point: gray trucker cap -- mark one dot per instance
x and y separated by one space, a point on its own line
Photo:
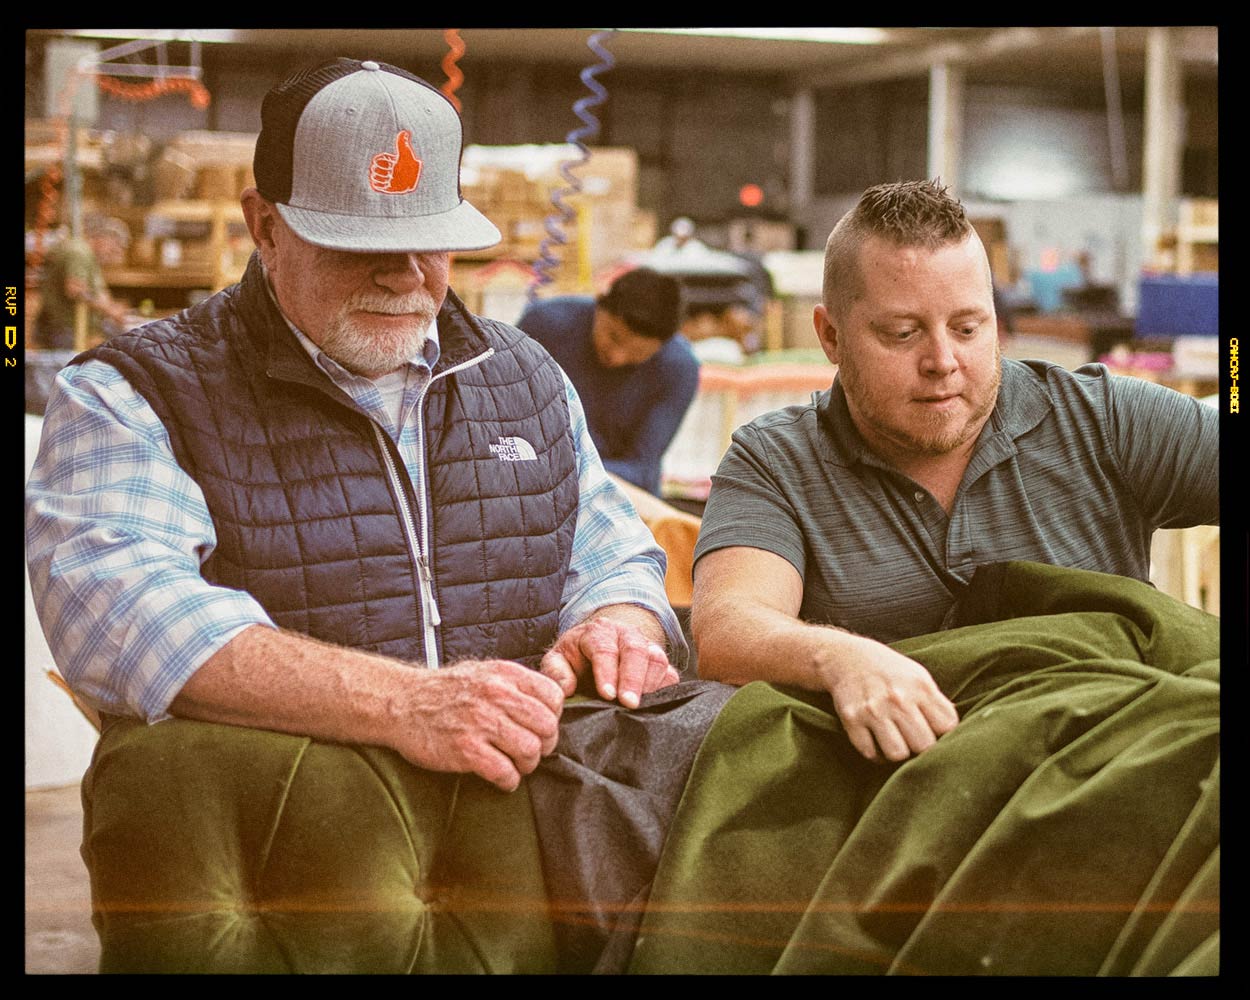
366 156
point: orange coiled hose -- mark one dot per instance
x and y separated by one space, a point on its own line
49 185
454 76
45 211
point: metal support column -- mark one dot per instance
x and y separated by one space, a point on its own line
1164 139
802 156
946 122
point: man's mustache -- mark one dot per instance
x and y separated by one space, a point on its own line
421 302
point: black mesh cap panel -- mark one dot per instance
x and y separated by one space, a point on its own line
280 114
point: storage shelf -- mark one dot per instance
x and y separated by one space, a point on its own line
214 265
1198 236
170 278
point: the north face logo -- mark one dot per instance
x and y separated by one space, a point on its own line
513 449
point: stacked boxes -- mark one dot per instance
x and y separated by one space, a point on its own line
1198 236
222 162
993 234
189 230
514 187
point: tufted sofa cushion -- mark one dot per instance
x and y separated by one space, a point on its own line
222 849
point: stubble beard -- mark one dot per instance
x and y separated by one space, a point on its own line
928 435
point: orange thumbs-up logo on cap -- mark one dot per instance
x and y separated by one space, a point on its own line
397 172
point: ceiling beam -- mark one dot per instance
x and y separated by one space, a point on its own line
918 62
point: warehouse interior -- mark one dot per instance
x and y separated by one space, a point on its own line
1087 158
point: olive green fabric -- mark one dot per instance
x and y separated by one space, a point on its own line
1068 825
223 849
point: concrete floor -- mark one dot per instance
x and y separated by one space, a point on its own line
59 935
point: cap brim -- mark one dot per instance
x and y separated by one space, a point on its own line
463 228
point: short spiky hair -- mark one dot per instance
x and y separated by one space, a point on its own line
905 213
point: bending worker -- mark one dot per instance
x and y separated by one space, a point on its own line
836 527
636 375
72 276
330 501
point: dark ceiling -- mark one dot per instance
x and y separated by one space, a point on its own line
990 55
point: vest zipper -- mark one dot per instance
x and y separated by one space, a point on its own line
418 531
429 607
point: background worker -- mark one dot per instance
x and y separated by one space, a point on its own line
635 374
72 275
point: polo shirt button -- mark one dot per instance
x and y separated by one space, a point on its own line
919 494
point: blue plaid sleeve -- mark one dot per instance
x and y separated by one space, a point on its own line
115 535
615 557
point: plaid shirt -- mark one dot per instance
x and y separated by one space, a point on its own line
116 533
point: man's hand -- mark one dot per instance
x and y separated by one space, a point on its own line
625 661
887 702
747 627
494 718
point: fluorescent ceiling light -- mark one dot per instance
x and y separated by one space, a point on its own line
156 34
845 36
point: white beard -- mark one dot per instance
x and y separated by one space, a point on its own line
370 352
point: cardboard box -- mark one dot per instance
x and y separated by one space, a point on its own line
217 183
797 330
644 231
760 236
228 149
1200 212
173 175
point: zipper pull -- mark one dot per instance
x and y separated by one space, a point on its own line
427 581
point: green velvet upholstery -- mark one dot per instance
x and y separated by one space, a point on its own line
1069 825
222 849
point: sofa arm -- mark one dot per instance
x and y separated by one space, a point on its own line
217 848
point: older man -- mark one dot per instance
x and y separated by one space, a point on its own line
836 527
329 500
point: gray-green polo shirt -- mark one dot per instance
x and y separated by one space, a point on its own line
1072 469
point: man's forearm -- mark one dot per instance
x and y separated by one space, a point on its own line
271 679
738 642
494 718
889 705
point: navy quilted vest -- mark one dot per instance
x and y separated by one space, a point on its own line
311 503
